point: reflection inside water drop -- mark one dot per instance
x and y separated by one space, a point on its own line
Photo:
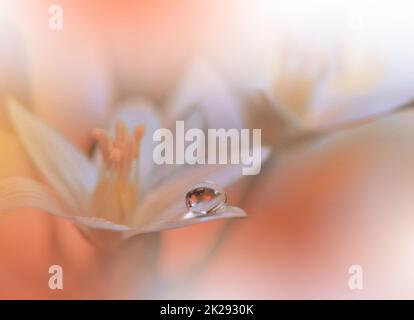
205 198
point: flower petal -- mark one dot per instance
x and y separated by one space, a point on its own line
182 218
193 119
171 193
18 192
172 218
134 113
301 74
202 86
351 109
277 124
67 170
98 223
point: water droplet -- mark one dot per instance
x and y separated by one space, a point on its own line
205 198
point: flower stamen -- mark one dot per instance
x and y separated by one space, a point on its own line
116 194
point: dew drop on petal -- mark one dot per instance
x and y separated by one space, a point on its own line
205 198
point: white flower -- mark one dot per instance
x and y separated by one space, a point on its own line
312 89
123 192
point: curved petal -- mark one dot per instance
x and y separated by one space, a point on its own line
277 124
171 193
202 86
189 175
301 74
99 223
134 113
67 170
18 192
352 109
181 218
193 119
